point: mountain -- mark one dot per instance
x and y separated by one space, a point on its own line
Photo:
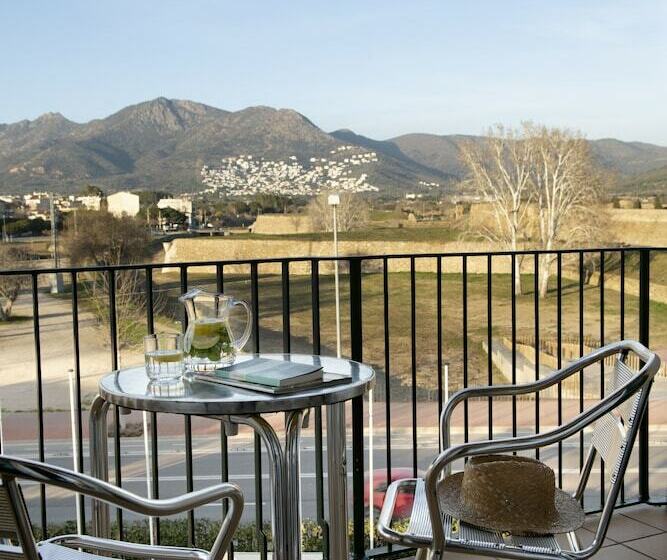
441 153
438 152
648 183
162 144
396 167
628 158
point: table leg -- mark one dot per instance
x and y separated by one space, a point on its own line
99 462
337 478
293 423
281 513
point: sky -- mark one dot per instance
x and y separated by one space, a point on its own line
381 68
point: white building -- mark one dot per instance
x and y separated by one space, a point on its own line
90 202
123 202
183 205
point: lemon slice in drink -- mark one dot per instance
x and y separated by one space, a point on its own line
208 327
167 356
204 342
207 334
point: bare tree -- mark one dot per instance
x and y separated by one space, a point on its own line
106 240
352 212
566 191
11 286
499 170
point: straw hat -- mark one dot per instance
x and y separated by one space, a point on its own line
509 493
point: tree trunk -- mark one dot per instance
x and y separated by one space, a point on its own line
6 310
517 277
545 273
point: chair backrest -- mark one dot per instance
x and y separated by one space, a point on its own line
614 433
611 433
18 542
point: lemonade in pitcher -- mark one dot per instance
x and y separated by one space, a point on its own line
209 341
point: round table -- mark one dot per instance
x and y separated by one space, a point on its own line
130 388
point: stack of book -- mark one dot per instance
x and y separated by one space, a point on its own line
276 377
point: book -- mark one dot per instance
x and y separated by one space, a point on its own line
270 373
328 380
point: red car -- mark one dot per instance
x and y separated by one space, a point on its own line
403 506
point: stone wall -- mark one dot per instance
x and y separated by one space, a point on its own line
647 227
230 249
281 224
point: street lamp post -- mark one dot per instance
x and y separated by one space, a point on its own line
57 281
334 201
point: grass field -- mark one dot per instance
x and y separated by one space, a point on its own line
599 322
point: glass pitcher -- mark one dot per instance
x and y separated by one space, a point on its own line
209 341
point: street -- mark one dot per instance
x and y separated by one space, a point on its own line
206 468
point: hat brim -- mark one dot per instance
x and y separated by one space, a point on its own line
569 514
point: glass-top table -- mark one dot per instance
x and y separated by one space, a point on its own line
130 388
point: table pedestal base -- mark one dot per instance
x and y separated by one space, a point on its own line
284 464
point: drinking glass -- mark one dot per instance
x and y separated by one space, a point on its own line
164 357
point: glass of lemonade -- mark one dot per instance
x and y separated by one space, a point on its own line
164 357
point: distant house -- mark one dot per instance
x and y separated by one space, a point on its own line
123 202
183 205
91 202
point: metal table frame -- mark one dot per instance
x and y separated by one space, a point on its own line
236 407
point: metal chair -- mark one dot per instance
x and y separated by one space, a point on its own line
15 523
616 420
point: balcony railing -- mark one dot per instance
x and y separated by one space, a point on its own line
429 323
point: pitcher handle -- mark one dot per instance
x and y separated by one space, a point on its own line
241 342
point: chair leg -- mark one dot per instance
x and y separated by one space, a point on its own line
422 554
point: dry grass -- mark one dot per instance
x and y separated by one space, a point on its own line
425 316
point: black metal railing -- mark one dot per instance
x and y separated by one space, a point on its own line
421 320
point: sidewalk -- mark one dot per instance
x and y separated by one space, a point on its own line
23 426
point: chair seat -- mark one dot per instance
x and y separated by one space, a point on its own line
51 551
458 535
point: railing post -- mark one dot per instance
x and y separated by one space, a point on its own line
644 325
356 341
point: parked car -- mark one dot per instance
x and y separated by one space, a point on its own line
403 505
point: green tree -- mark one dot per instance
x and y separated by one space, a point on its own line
12 286
24 225
150 198
92 190
171 216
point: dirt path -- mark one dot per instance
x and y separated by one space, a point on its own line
18 370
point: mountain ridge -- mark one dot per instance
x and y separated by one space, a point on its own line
162 144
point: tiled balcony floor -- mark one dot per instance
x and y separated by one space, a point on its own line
636 533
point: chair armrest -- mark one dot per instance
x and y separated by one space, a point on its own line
15 467
84 484
557 376
123 548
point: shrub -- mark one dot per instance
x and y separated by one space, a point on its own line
174 532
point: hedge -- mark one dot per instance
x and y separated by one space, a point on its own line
174 532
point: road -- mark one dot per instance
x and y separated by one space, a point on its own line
206 467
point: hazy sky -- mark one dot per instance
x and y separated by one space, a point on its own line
382 68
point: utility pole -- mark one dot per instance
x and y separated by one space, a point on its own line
57 279
5 237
